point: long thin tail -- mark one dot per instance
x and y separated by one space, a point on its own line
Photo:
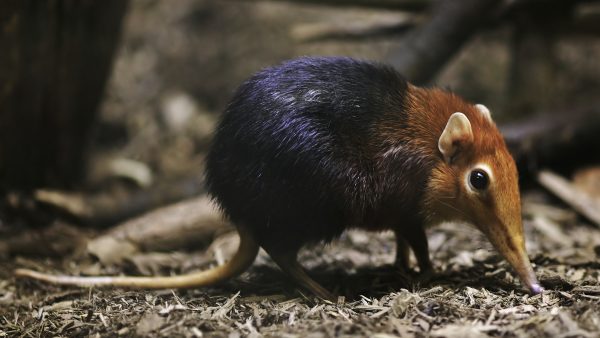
243 258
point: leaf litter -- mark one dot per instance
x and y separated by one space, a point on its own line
473 294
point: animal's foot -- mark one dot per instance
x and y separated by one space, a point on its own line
425 276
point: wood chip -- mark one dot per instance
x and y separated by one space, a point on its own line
149 323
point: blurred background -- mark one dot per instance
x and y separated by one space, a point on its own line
178 65
143 82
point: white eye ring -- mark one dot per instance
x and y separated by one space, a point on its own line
481 167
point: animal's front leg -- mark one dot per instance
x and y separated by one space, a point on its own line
417 239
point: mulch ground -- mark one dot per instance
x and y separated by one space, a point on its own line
473 294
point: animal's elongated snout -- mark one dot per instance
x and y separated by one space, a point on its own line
510 243
520 262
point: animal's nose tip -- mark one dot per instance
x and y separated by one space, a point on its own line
536 288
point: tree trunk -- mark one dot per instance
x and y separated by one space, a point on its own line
56 57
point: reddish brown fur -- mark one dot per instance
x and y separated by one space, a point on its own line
497 213
429 111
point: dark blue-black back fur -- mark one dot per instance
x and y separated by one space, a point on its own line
294 156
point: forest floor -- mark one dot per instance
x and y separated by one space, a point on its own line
175 70
473 294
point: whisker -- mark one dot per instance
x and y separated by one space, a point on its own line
452 207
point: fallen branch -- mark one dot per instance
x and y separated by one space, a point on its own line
412 5
404 5
154 263
192 223
108 208
356 30
568 193
584 24
426 49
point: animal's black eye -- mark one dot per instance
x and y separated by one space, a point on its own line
479 179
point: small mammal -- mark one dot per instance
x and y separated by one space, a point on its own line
318 145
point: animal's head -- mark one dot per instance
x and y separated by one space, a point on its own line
476 181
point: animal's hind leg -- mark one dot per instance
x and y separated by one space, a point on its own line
288 262
402 253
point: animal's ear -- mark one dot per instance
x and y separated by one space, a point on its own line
484 111
455 136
